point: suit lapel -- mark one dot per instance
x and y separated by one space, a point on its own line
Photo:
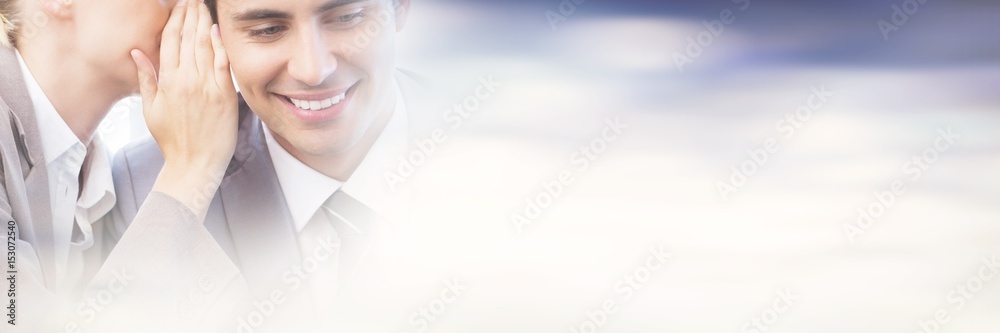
36 229
255 208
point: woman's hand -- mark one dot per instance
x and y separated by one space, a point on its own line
191 107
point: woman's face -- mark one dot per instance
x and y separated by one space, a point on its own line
107 30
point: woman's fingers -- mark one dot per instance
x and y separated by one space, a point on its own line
147 79
204 48
171 41
193 114
223 75
189 35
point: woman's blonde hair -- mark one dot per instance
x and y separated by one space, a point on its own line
7 20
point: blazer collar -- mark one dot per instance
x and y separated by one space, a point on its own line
15 93
258 218
35 229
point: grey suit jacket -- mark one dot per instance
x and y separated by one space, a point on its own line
248 216
24 191
146 270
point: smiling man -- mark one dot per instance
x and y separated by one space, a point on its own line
320 74
303 210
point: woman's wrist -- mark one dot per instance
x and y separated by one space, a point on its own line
192 185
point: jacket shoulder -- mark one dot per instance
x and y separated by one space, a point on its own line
134 171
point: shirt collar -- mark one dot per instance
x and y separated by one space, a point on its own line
57 137
368 184
306 189
98 196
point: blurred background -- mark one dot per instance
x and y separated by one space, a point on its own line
809 166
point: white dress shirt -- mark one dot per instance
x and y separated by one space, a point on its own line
73 210
306 189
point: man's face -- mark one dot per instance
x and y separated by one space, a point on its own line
317 72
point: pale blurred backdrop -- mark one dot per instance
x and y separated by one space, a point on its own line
792 226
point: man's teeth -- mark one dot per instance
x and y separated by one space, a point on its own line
318 105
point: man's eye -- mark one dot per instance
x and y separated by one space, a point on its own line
350 17
268 32
346 21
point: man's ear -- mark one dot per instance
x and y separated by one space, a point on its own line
402 13
62 9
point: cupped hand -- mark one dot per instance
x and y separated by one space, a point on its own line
191 107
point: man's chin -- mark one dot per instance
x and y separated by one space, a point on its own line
321 147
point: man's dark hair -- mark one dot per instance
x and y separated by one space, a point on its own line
211 8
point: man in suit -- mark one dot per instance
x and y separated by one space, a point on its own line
71 264
304 209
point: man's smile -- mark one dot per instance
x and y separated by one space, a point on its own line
318 106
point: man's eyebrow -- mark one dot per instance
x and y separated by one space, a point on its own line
260 14
265 14
334 4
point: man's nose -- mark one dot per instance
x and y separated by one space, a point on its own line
312 61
